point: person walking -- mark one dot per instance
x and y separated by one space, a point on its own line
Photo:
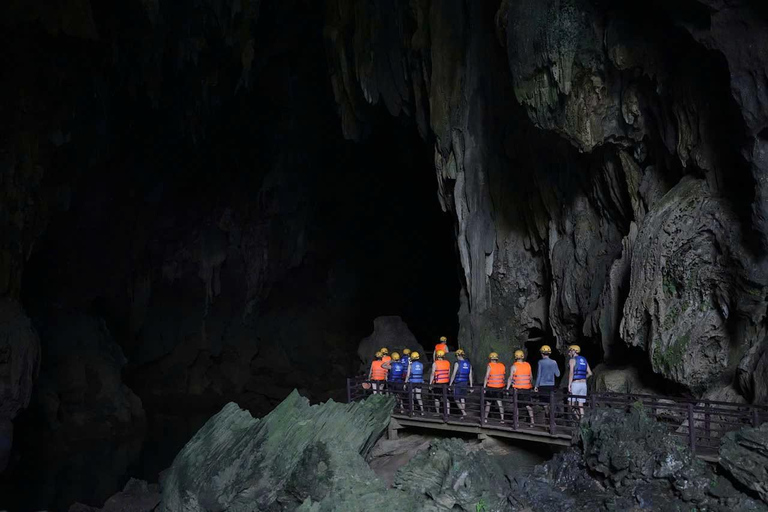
520 378
494 384
577 379
460 380
545 375
415 375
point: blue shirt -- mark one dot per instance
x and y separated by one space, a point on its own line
547 372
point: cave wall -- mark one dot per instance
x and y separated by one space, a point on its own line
604 165
186 222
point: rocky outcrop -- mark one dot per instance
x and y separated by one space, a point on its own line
390 332
81 392
296 454
686 285
744 455
628 462
619 380
311 458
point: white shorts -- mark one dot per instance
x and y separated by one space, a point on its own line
578 388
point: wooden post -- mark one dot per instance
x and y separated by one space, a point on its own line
707 426
482 406
515 412
445 403
552 412
691 428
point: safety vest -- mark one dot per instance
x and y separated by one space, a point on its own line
521 379
386 359
406 361
417 372
463 374
442 371
377 372
396 372
496 376
441 346
580 368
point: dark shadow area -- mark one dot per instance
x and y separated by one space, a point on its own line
216 240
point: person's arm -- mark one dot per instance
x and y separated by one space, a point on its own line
487 374
511 373
386 365
370 373
453 373
589 371
471 378
557 369
432 375
571 366
408 374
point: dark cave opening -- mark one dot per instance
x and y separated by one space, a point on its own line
315 237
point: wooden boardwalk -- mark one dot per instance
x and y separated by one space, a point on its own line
699 423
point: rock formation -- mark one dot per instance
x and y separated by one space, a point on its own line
744 454
312 458
81 393
597 185
19 366
297 453
390 332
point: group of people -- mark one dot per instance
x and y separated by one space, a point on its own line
391 372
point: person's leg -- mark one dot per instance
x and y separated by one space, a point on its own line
581 391
417 391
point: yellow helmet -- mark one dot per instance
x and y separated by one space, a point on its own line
575 348
415 356
443 339
545 349
493 356
406 351
519 354
460 352
384 350
379 354
395 356
440 353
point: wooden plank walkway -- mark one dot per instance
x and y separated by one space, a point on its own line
549 417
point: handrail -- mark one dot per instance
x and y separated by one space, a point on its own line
701 422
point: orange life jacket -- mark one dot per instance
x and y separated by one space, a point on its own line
496 376
377 372
521 379
441 346
442 371
386 359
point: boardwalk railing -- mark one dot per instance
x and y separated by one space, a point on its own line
701 423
